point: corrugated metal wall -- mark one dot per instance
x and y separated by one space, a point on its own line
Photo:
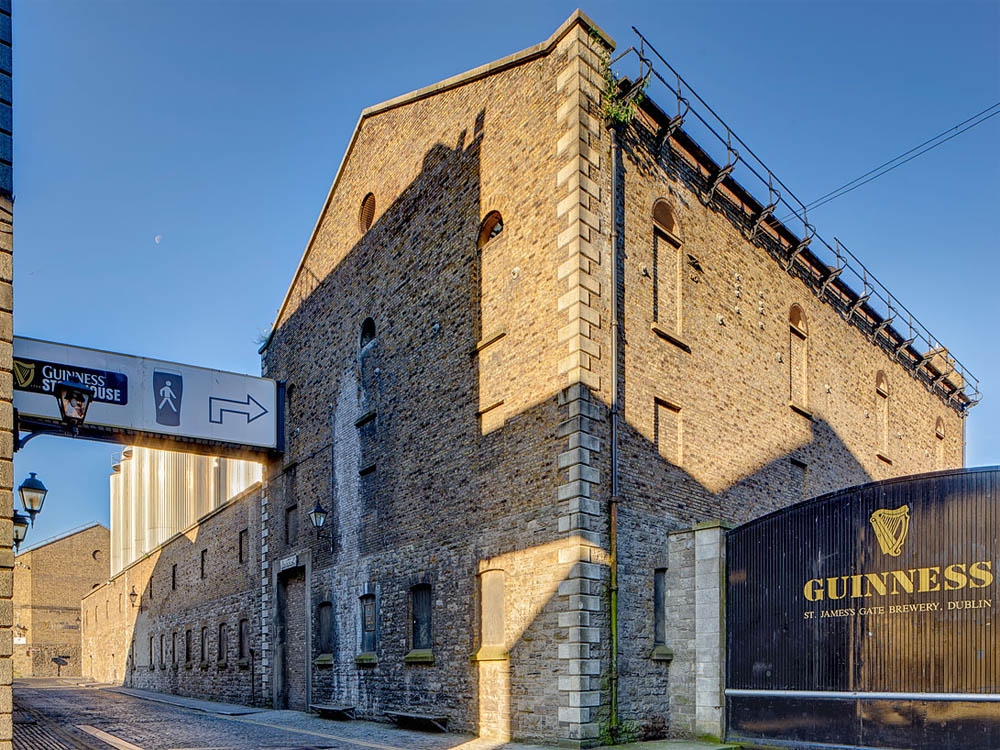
156 493
836 636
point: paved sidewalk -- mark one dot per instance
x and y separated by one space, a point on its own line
383 736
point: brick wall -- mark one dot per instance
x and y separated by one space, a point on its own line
172 598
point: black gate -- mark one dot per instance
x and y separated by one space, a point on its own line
868 617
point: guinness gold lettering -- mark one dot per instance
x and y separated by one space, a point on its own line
895 582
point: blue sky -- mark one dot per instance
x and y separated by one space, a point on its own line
171 158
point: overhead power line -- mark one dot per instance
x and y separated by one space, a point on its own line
906 156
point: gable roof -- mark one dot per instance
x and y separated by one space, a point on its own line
578 17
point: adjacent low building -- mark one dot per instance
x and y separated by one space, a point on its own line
50 579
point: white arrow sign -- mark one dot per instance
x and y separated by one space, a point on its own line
148 396
249 408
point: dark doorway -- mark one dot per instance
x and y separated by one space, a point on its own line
290 662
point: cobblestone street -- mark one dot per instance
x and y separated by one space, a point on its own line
56 714
68 714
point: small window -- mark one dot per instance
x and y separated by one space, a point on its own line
173 577
659 607
244 640
244 539
421 601
367 214
325 616
163 639
150 651
291 524
121 602
204 644
187 646
204 560
173 647
367 333
368 623
492 226
223 642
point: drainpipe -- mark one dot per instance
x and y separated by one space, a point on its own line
616 337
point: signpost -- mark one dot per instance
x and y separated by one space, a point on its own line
142 400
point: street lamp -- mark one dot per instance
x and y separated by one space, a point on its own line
318 517
74 399
32 493
20 530
133 595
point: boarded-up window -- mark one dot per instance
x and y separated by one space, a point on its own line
798 475
667 270
798 358
882 413
669 431
421 600
368 618
223 642
325 627
939 444
492 607
660 607
291 524
244 639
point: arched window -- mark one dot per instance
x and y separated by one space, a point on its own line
367 213
882 415
668 274
798 358
492 226
663 216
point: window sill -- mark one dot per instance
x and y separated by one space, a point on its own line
487 341
662 653
220 665
419 656
491 653
243 664
673 339
366 470
366 659
882 457
323 660
188 665
203 665
801 410
365 418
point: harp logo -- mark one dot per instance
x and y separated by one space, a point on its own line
24 372
890 528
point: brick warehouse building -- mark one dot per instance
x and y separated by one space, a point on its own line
534 366
50 579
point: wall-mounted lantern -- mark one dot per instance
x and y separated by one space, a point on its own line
133 595
20 530
74 399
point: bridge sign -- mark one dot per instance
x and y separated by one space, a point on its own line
137 397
